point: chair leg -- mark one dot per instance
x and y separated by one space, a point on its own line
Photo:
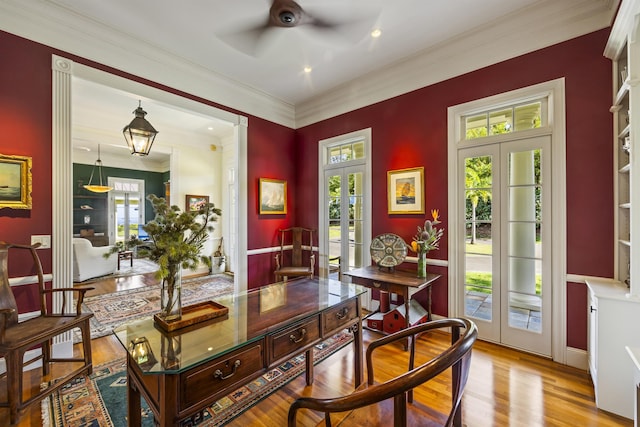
14 384
46 356
86 346
400 410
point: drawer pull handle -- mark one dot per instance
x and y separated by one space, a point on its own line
295 340
218 373
342 313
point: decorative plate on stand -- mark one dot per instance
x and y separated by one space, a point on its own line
388 250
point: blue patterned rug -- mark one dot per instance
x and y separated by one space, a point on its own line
100 399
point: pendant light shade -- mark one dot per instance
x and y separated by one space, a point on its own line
139 133
101 188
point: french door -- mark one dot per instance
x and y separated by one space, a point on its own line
126 207
506 253
345 225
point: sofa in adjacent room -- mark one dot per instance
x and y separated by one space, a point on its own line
89 260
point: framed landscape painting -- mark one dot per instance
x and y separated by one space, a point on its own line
273 196
405 192
15 182
194 202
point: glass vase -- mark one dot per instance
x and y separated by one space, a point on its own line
422 264
170 301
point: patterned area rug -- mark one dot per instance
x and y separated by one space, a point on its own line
112 310
127 268
101 398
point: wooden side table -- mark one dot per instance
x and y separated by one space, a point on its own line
125 255
401 282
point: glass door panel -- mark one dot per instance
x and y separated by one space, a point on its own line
334 185
345 215
481 278
526 245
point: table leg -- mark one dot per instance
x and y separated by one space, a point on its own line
406 316
133 397
429 303
406 307
358 345
308 357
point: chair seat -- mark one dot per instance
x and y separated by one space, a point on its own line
293 271
39 329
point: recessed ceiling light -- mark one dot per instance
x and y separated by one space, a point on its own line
376 33
210 128
307 69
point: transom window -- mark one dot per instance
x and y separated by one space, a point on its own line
508 119
346 152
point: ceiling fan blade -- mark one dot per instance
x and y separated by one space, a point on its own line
247 41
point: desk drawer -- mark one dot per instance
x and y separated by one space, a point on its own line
297 337
220 374
338 316
372 283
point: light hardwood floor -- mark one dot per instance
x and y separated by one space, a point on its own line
505 388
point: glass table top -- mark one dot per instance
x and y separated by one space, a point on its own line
252 315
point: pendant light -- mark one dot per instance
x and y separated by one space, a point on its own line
97 188
139 133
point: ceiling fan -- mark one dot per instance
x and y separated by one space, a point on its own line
289 14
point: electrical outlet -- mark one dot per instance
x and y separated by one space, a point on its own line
43 239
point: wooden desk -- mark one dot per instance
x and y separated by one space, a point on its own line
400 282
188 370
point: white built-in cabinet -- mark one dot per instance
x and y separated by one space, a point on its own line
613 316
614 305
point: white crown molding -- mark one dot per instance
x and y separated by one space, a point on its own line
629 10
544 24
42 22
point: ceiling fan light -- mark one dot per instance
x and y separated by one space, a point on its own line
139 134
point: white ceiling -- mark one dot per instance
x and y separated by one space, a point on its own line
194 31
189 45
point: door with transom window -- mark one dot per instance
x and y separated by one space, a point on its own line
345 204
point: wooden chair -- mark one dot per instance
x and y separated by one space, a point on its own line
301 240
371 404
18 337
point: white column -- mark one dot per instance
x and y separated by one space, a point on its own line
522 230
61 187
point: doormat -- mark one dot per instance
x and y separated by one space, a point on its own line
100 400
115 309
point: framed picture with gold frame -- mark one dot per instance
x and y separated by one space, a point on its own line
15 182
405 191
273 196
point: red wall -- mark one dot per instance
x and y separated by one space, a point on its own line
411 130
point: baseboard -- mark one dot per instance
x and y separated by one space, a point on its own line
578 358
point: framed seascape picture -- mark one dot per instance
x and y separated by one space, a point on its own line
405 191
15 182
194 202
273 196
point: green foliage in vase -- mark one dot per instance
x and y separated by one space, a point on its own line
176 237
175 241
